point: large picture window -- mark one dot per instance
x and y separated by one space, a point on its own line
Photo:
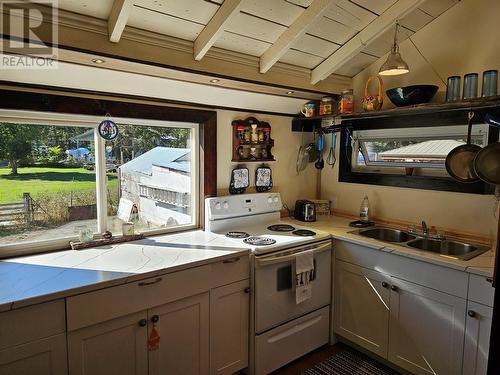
58 177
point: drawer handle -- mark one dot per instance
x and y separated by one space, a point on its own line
394 288
145 283
247 289
232 260
385 284
490 280
471 313
143 322
155 318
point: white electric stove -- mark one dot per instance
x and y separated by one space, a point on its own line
281 330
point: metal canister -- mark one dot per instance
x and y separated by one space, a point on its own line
346 104
326 106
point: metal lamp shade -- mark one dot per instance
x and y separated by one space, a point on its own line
394 65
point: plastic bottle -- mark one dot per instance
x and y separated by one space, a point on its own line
364 209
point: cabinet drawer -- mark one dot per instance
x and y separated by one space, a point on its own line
31 323
230 270
94 307
481 290
420 272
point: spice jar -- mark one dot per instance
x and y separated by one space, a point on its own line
254 135
240 132
267 133
346 104
247 134
260 133
326 106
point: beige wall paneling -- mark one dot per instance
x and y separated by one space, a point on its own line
293 57
377 7
332 30
99 9
243 44
315 46
287 143
257 28
356 64
198 11
165 24
228 10
279 11
349 14
455 44
383 43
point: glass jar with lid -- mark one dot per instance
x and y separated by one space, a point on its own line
326 106
346 104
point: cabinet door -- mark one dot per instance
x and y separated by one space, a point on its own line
117 346
229 314
477 339
362 306
41 357
183 327
426 329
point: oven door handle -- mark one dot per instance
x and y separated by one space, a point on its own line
276 258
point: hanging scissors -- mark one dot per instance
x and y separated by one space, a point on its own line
331 159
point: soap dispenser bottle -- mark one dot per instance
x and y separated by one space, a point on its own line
364 210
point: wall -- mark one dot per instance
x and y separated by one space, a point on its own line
285 179
464 39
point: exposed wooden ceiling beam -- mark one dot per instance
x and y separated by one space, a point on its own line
366 36
118 18
296 30
215 27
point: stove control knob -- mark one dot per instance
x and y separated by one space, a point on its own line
225 205
276 199
270 199
217 205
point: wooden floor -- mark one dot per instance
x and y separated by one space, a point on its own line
300 365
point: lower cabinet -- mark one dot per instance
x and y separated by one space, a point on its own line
229 327
415 327
115 346
362 307
201 334
477 339
426 329
41 357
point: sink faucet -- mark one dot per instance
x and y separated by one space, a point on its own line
425 229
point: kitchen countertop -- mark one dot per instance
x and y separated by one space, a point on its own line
339 228
38 278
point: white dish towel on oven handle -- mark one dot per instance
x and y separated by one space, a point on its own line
304 268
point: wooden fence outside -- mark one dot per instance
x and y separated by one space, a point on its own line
13 213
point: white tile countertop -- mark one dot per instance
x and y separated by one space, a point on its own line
37 278
339 228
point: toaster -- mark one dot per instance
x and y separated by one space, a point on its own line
305 210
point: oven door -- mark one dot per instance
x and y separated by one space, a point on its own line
275 292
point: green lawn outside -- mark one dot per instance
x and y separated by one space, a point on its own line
46 180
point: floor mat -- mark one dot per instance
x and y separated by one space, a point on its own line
348 362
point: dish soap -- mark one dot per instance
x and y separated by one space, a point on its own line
364 209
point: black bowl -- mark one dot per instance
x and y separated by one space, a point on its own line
411 95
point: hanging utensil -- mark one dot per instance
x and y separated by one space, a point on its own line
460 160
487 161
320 164
312 150
302 156
331 159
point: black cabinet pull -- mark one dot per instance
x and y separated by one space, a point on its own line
471 313
394 288
385 284
143 322
232 260
155 318
155 281
247 289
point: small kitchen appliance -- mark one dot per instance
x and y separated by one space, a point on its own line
281 329
305 210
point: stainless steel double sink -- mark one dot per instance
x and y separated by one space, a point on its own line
443 247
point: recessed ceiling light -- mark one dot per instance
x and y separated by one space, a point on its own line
215 80
98 61
290 92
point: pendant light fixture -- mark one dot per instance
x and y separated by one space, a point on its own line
394 65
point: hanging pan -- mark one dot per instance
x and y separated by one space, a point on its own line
487 161
459 162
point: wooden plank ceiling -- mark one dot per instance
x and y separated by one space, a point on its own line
327 36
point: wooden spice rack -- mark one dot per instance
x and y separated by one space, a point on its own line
252 144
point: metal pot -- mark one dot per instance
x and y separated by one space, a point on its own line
459 162
487 161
